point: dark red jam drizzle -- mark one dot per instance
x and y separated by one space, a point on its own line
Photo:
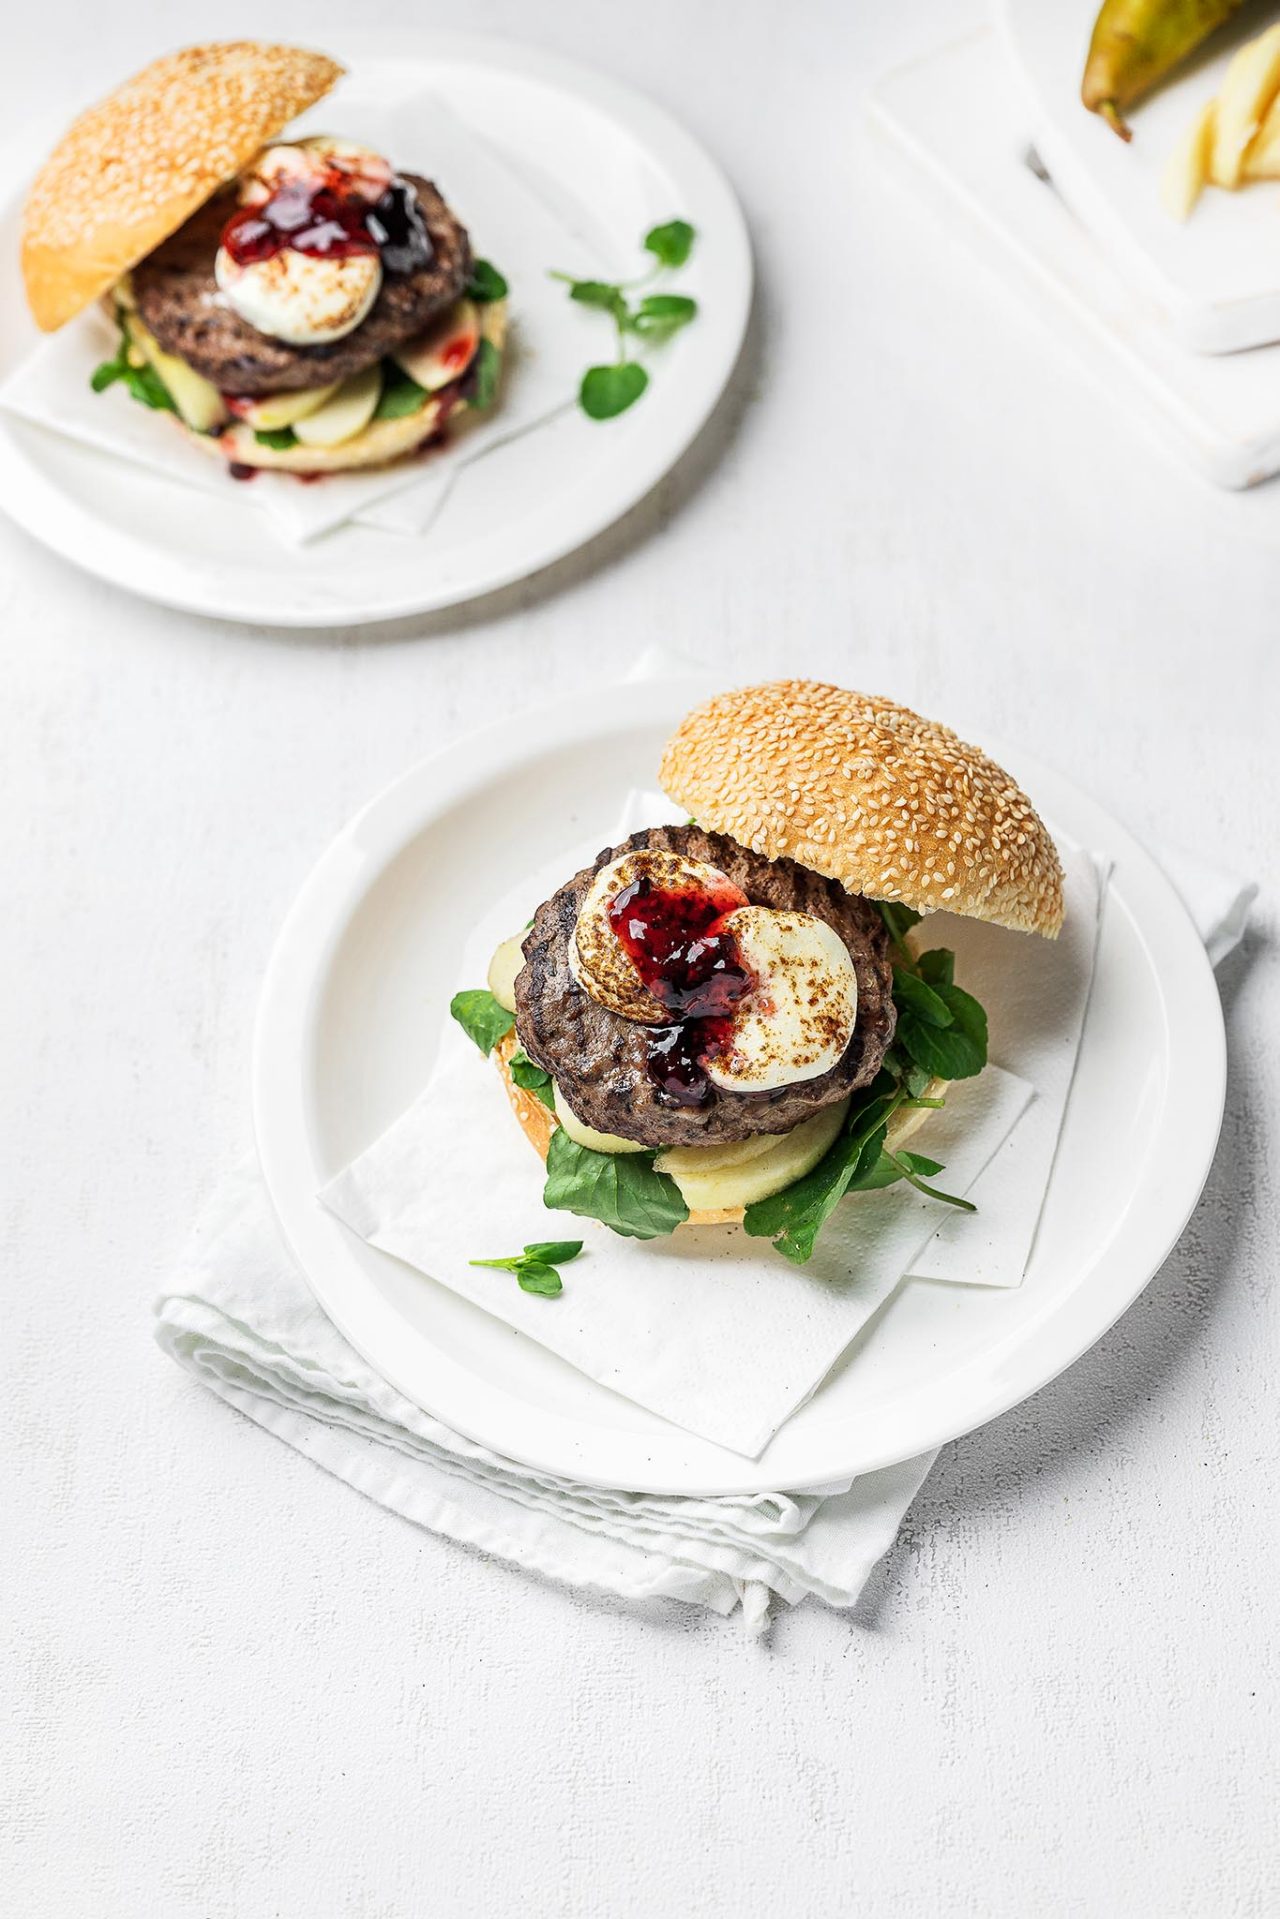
689 961
325 219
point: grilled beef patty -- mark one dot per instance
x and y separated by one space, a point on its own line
180 304
600 1061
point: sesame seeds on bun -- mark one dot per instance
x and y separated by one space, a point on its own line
134 167
891 805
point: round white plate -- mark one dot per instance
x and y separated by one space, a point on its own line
349 1021
612 162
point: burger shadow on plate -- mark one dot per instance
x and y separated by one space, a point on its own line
616 543
1144 1356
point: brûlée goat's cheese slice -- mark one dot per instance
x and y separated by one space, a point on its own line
799 1019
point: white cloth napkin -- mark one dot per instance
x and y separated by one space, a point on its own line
550 340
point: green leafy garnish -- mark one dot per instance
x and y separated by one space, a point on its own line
622 1190
671 244
952 1049
277 436
793 1218
532 1078
400 394
486 283
663 314
143 382
599 293
535 1267
486 371
481 1018
942 1034
899 919
608 390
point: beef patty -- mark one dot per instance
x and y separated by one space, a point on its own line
180 304
600 1061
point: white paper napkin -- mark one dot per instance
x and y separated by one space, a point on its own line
240 1317
550 340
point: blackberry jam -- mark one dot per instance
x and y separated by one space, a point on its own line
688 959
321 217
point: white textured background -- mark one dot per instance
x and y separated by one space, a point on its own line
233 1688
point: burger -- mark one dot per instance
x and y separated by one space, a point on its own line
293 304
740 1019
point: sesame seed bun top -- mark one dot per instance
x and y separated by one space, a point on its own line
131 169
893 806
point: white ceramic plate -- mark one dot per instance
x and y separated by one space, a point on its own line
348 1024
614 163
1216 277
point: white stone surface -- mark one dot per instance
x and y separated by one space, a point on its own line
234 1689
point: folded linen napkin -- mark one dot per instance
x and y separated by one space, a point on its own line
240 1317
550 340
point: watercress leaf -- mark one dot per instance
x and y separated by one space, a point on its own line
622 1190
507 1265
109 372
607 391
532 1078
957 1051
915 1163
486 283
938 967
661 314
671 243
793 1218
599 293
277 436
146 386
921 999
885 1171
486 371
400 395
918 1082
898 918
535 1277
481 1018
912 1164
558 1252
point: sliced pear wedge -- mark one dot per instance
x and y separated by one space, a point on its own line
346 414
790 1156
198 401
1187 169
1250 85
444 352
1262 160
276 410
587 1135
503 967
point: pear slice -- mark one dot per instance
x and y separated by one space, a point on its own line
587 1136
346 414
444 352
1187 168
198 400
503 967
276 410
679 1160
1250 85
790 1156
1262 160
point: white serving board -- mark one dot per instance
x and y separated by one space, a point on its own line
1216 278
960 115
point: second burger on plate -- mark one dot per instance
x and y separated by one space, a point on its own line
295 304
